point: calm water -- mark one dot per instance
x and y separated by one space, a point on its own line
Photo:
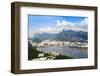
65 50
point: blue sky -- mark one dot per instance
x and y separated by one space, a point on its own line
36 22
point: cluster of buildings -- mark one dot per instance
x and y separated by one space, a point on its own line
60 43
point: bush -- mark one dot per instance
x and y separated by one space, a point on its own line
63 57
32 52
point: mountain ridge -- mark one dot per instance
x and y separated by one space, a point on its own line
70 35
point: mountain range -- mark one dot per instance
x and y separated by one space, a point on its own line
69 35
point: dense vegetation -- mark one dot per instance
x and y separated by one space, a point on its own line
63 57
32 52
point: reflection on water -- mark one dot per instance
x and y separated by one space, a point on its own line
65 50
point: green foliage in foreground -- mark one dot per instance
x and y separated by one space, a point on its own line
32 52
63 57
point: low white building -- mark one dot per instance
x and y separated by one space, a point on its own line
41 55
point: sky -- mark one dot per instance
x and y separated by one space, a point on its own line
55 24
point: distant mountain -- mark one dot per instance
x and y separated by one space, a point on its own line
70 35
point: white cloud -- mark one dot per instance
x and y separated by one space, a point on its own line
84 22
62 25
49 30
83 25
